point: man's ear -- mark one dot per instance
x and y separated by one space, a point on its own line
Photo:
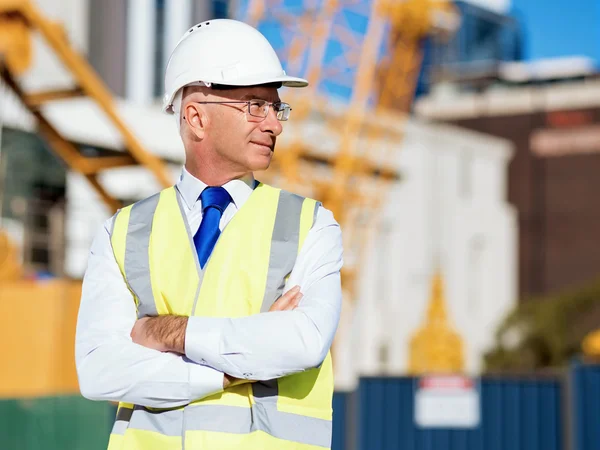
196 120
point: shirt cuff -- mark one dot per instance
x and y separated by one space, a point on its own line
202 340
204 381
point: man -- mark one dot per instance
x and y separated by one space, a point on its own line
182 317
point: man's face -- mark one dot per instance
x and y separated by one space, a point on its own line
244 142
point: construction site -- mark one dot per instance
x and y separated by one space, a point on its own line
462 172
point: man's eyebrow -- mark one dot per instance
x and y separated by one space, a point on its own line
256 97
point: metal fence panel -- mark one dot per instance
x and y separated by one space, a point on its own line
341 421
515 415
54 423
586 406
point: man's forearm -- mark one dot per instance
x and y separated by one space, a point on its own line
124 371
164 333
167 333
253 353
259 347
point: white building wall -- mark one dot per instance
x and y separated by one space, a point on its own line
449 209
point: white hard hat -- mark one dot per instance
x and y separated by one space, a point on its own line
223 51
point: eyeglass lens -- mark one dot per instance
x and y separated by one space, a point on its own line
260 108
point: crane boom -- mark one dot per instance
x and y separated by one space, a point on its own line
18 20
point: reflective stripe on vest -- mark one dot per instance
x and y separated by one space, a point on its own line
286 426
266 236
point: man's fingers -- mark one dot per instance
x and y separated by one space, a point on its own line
280 303
292 292
287 300
293 302
296 300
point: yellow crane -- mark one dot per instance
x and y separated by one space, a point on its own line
19 19
392 81
381 95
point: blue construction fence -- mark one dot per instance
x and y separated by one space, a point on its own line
585 419
559 411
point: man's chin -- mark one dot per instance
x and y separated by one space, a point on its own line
260 162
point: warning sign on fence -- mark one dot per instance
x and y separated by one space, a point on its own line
447 402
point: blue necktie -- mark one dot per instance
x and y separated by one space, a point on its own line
214 202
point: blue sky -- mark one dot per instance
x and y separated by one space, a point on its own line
555 28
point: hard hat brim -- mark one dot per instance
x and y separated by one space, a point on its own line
285 80
293 82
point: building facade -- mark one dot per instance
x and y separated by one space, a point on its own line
552 181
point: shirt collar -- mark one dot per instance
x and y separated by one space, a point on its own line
191 187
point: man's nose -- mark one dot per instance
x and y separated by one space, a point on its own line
271 124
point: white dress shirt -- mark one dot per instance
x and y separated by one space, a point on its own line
259 347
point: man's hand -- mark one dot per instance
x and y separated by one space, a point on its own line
287 301
162 333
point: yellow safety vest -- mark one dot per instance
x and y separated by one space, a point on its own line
245 274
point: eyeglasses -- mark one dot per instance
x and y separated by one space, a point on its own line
259 109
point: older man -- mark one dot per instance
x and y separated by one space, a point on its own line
182 316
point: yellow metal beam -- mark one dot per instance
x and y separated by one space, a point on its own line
108 199
18 19
64 149
98 164
68 152
15 43
93 86
412 21
37 99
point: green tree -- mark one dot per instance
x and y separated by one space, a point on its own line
545 332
